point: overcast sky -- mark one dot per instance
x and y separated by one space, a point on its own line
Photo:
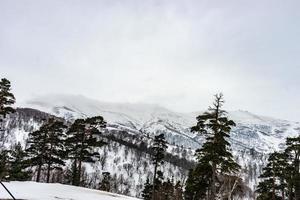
174 53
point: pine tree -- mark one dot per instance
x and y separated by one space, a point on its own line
178 192
6 99
147 192
198 182
273 176
105 184
159 149
81 143
293 151
17 164
4 164
46 147
215 125
55 153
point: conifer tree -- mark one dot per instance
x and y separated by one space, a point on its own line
198 182
4 164
6 98
273 176
159 149
46 147
105 184
83 138
280 178
147 192
293 152
17 164
215 125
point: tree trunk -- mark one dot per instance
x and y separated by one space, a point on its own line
273 192
213 184
297 177
154 180
74 173
290 189
79 173
38 173
297 186
48 172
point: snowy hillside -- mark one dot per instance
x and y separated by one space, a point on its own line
44 191
131 128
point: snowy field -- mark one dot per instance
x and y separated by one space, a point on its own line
54 191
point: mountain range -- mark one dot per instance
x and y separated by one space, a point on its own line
131 127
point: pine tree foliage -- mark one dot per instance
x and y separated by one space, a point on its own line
198 182
280 177
6 98
4 164
46 147
159 149
216 152
293 151
83 138
17 164
105 184
273 175
165 190
147 192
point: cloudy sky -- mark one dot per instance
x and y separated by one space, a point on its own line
170 52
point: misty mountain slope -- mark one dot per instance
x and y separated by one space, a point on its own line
126 156
264 134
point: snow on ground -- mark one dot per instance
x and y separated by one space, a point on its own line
55 191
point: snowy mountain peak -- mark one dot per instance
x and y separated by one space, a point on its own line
253 131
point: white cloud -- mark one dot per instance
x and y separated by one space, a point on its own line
174 53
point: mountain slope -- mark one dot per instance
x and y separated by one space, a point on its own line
264 134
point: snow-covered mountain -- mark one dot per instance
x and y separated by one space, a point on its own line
263 134
131 128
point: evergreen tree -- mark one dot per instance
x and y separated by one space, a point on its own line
198 182
81 143
159 149
273 176
293 152
178 192
17 164
216 151
280 178
46 147
105 184
147 192
4 164
6 98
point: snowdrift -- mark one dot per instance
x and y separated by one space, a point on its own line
55 191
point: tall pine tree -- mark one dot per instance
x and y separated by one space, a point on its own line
46 147
273 176
147 191
17 164
83 138
159 149
280 177
293 151
7 99
216 152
